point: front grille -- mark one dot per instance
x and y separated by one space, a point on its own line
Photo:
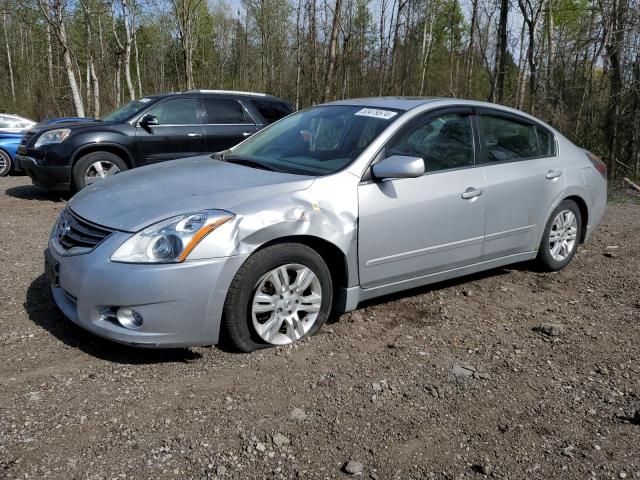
73 232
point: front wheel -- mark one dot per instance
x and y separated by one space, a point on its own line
561 237
5 163
96 166
280 295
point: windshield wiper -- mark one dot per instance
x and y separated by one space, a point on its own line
250 163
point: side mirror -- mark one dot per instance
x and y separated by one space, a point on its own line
149 121
399 166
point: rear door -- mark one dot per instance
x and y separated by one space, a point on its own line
226 123
179 133
413 227
524 177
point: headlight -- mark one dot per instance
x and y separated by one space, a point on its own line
60 225
172 240
52 136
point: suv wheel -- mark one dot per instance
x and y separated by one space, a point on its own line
95 166
280 295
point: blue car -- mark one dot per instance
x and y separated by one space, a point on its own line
12 128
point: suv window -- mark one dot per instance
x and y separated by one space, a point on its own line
507 140
444 142
271 111
223 111
181 111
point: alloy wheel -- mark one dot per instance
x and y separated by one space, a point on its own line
286 303
5 163
563 235
99 170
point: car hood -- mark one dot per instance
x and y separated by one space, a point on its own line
143 196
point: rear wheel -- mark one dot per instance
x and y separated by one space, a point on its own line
561 237
5 163
96 166
280 295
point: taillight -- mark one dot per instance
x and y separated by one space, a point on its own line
598 164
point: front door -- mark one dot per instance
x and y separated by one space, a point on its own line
179 133
414 227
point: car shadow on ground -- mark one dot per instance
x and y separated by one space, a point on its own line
42 310
31 192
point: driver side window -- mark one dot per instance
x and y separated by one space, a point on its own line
444 142
176 112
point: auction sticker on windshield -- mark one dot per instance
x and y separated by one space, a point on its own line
376 113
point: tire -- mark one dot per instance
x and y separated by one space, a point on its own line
96 165
565 243
256 280
6 163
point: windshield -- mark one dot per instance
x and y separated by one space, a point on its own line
125 112
318 141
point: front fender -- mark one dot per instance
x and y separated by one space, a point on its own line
312 212
94 145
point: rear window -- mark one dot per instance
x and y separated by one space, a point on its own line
271 111
506 140
223 111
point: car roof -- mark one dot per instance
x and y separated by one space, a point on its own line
221 93
398 103
409 103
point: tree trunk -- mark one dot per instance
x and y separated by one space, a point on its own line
54 15
471 48
501 51
333 52
426 51
126 14
135 45
614 48
9 63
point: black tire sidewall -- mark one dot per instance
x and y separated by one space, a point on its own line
81 166
237 321
9 164
545 260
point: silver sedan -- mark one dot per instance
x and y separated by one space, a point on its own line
328 207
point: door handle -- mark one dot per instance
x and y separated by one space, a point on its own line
194 135
472 192
551 174
247 134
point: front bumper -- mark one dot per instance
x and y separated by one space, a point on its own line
45 176
181 304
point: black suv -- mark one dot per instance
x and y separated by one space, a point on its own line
153 129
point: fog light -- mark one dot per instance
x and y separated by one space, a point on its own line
129 318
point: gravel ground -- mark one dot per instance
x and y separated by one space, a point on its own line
510 374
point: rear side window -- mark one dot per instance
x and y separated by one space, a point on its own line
176 112
546 142
506 140
271 111
223 111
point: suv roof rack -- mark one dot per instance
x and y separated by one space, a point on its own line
233 92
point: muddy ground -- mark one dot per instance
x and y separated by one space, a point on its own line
444 382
